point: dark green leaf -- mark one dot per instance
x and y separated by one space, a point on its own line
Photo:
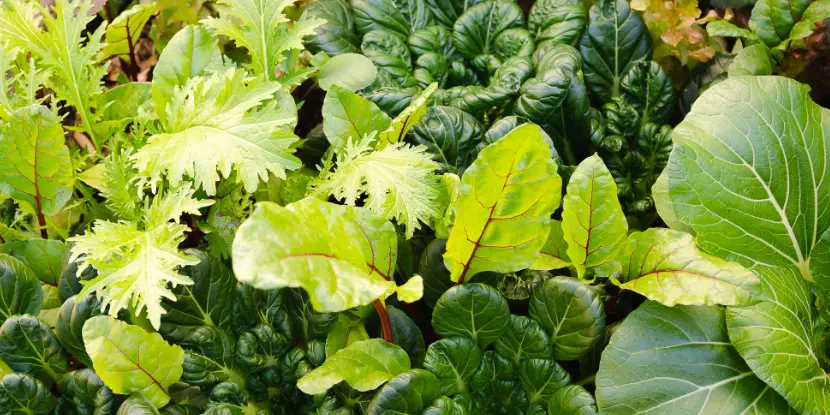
650 90
406 394
401 17
493 367
447 12
21 394
557 21
523 339
20 290
541 378
453 361
71 318
475 311
44 257
451 135
407 335
28 346
434 39
337 35
87 391
476 30
435 274
572 314
572 400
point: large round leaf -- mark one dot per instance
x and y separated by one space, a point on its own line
451 135
572 314
23 394
27 345
406 394
453 361
475 311
523 339
337 35
475 31
572 400
679 360
20 290
86 388
541 378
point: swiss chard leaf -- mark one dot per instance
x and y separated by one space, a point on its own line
502 220
348 116
364 365
124 32
554 253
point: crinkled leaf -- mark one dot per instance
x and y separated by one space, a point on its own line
475 32
20 290
446 12
453 361
337 35
71 318
44 257
137 405
650 90
35 168
396 16
28 346
408 393
451 135
206 301
364 365
593 222
572 400
571 312
541 378
23 394
665 265
506 199
476 311
131 360
557 21
523 339
679 359
86 389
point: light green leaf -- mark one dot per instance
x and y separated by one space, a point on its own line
43 257
218 124
779 339
192 52
352 71
593 222
344 333
554 253
408 393
752 60
412 290
364 365
347 115
773 20
35 168
409 117
722 28
124 32
130 360
506 199
475 311
666 266
762 201
820 269
663 203
816 12
691 367
261 27
309 244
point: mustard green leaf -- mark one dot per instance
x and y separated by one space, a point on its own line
666 266
131 360
506 199
593 222
35 167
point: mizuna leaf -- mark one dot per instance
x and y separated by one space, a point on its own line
130 360
691 367
779 339
309 244
125 30
593 222
554 253
506 199
261 27
666 266
190 53
364 365
221 123
35 168
749 201
347 115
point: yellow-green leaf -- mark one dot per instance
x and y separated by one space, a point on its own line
554 253
125 30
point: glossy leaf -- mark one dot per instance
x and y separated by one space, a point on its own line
523 339
572 314
453 361
436 275
44 257
20 290
475 32
408 393
351 71
23 394
407 335
35 168
348 116
541 378
502 220
476 311
616 39
557 21
666 266
572 400
137 405
337 35
593 222
28 346
131 360
772 20
364 365
650 90
400 17
86 389
451 135
691 366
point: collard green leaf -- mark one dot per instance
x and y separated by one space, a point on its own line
280 247
453 361
192 52
364 365
616 39
28 346
554 253
408 393
778 339
20 290
451 135
649 89
747 200
475 31
131 360
35 168
71 318
503 213
523 339
349 116
337 35
665 266
352 71
87 390
475 311
691 366
541 378
401 17
44 257
593 222
572 400
124 32
572 314
23 394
